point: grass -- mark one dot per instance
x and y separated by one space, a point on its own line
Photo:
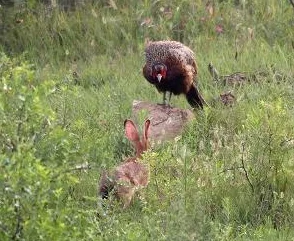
229 177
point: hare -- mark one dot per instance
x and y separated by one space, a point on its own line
131 174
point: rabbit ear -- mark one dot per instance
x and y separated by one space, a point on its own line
131 131
146 129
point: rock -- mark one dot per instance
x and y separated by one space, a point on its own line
227 98
166 122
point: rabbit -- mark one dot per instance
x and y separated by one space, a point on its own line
131 174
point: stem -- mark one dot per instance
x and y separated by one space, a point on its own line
185 181
243 167
81 167
19 227
230 169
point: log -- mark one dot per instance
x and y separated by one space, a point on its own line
167 122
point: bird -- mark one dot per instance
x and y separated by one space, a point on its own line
172 68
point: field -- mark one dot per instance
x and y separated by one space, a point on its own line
68 80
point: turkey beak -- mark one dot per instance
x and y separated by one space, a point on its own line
159 76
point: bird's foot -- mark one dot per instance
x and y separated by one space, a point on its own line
165 105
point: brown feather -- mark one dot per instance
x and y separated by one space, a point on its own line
181 69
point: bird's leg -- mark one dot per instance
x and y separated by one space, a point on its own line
169 97
164 98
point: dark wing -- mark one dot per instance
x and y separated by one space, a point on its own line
194 97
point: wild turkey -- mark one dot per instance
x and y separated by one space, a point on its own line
171 67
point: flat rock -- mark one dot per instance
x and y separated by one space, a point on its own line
166 122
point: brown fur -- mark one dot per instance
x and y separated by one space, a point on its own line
181 71
130 175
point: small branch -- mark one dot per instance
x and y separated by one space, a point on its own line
81 167
3 228
287 141
230 169
292 3
19 227
243 167
20 121
156 182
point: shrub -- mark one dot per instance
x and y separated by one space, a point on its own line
35 159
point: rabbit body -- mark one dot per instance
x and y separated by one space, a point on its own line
130 177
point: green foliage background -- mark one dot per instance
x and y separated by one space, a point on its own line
67 82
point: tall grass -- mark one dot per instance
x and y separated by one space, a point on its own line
101 28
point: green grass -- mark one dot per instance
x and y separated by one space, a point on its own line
73 78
